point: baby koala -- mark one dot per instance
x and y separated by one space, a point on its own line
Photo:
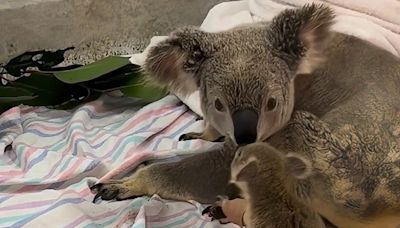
274 186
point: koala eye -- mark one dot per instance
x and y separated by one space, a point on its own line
271 104
195 58
218 105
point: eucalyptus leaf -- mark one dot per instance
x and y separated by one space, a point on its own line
93 70
114 80
137 88
11 94
8 91
49 90
64 68
20 99
68 86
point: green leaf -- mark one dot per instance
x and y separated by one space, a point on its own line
8 91
93 70
48 90
137 88
11 94
115 80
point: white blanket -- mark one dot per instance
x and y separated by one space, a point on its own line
56 155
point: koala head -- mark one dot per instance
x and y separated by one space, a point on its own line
261 162
245 75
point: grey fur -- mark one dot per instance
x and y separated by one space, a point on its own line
243 67
345 120
268 179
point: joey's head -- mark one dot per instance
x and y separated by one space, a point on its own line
245 75
269 181
260 163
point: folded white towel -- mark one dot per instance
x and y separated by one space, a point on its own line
375 21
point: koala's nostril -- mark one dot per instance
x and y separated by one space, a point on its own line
245 126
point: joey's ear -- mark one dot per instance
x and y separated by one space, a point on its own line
250 169
300 35
173 63
298 166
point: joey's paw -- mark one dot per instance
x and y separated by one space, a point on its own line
190 136
112 191
215 213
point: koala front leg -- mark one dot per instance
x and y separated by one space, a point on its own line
201 177
209 134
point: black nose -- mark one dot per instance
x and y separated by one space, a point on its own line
245 125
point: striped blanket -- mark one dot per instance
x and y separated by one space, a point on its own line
49 158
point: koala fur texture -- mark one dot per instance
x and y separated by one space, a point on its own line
269 179
246 75
331 98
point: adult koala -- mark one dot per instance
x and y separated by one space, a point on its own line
344 115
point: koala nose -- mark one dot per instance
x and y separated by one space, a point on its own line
245 126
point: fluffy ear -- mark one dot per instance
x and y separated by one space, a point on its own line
173 63
299 36
250 169
298 166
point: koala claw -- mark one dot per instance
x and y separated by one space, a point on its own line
214 211
189 136
111 191
195 135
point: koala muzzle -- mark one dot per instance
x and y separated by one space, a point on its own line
245 126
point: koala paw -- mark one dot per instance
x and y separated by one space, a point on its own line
215 211
190 136
113 191
195 135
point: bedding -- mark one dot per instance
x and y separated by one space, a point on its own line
49 158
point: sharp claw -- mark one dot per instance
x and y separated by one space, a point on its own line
182 137
96 197
206 210
185 137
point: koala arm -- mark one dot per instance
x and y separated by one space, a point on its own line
209 134
200 177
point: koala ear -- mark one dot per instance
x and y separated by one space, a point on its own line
300 35
298 166
173 63
250 169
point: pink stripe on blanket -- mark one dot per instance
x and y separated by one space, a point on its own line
10 112
132 162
